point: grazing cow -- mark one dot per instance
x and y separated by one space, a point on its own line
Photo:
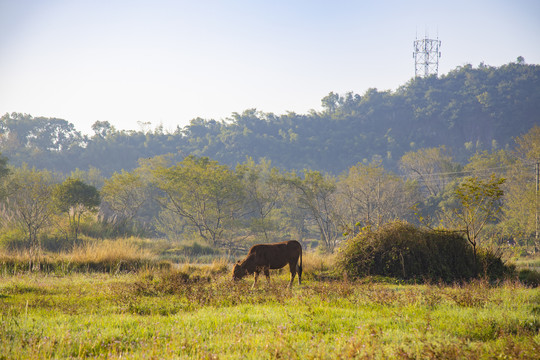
263 257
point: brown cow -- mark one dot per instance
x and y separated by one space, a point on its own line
263 257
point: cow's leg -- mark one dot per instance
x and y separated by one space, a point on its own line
267 274
255 277
292 268
299 271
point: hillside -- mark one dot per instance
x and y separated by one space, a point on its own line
466 110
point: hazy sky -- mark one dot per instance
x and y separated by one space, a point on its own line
167 62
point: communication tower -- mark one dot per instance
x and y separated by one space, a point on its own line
426 57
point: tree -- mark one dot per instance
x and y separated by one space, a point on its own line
468 110
40 133
4 172
92 176
29 203
263 189
521 198
207 195
476 202
528 145
432 168
74 198
316 194
102 129
370 195
125 193
330 102
497 161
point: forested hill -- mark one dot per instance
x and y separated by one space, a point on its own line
466 110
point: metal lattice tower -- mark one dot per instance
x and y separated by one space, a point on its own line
426 57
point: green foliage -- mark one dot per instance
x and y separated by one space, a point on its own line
73 195
425 165
13 239
477 203
207 195
98 229
4 171
403 251
429 128
74 198
125 194
467 110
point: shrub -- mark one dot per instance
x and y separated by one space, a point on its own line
192 250
529 277
492 266
13 240
403 251
57 241
54 240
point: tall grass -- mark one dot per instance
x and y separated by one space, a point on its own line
318 266
110 256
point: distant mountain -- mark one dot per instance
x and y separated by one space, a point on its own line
467 110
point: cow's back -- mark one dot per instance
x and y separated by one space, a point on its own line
276 256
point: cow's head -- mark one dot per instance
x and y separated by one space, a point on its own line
238 271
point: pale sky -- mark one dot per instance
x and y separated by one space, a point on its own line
167 62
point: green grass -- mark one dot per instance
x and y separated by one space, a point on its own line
200 313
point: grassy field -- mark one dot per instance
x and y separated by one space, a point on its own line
198 312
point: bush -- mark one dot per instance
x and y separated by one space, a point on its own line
50 240
492 266
192 250
57 242
403 251
529 277
13 240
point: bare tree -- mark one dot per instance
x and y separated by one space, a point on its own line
316 194
29 204
433 168
370 196
264 189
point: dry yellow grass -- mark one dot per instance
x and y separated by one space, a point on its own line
108 251
317 263
106 255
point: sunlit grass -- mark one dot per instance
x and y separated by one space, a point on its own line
108 251
198 312
101 256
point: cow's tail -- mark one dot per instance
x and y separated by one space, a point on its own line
299 269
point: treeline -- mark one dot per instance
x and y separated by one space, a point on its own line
491 200
468 110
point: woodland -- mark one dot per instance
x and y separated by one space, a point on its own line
455 152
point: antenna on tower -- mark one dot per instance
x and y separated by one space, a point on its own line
426 56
